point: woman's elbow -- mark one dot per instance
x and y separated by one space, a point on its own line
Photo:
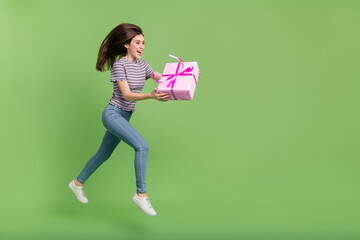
127 97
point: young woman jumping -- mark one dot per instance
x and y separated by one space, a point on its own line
120 52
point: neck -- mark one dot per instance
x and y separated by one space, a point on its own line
130 58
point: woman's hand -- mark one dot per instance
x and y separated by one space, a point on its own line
199 72
160 96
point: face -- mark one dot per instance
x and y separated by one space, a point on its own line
136 46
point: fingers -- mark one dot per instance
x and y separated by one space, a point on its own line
163 94
163 97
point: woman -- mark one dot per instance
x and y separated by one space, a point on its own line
128 74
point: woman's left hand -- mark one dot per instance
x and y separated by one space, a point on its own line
199 72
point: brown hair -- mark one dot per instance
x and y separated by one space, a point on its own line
113 45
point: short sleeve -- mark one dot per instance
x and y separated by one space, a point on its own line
118 72
149 71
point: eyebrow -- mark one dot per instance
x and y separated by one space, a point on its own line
139 41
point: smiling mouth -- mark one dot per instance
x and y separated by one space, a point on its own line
139 52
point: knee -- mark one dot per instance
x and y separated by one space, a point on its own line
106 157
143 146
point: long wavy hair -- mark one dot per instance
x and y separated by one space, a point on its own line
113 47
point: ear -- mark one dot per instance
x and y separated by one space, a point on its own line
126 45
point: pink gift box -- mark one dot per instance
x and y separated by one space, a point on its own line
179 80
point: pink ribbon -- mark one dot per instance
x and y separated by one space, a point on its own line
179 72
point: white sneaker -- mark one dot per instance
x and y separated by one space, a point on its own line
79 192
144 204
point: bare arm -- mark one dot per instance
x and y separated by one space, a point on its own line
130 96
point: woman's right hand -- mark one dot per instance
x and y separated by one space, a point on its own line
160 96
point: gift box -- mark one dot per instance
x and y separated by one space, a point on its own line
179 79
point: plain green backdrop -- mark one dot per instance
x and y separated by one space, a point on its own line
267 149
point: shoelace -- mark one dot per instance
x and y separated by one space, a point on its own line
148 202
82 192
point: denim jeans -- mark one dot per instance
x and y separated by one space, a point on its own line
116 121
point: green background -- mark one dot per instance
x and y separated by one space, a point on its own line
267 149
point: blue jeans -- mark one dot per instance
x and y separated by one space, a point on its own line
116 121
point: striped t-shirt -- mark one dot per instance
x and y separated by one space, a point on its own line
135 74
